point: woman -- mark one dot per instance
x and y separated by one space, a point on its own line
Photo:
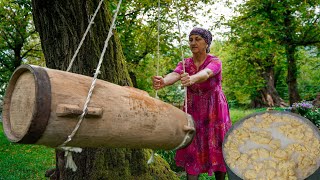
206 104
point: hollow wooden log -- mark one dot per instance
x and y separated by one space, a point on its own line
42 106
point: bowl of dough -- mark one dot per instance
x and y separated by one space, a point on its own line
273 145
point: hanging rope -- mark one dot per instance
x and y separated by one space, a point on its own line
84 36
151 159
182 56
187 136
158 46
185 88
85 107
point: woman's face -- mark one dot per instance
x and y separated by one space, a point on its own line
197 44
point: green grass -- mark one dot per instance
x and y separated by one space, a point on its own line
237 114
19 161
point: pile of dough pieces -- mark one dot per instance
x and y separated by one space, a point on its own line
273 146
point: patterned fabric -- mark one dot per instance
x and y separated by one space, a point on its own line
205 34
209 108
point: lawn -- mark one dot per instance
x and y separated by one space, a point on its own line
237 114
19 161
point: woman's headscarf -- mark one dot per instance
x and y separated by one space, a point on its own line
205 34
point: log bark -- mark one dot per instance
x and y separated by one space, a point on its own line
61 24
43 106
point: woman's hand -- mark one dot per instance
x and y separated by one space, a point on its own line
158 82
186 80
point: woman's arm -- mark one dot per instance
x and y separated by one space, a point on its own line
199 77
160 82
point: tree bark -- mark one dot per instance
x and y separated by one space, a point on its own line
61 25
268 95
292 75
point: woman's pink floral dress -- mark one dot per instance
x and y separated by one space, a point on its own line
209 108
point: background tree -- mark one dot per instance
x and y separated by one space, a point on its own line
270 29
309 72
292 24
19 41
255 57
301 27
61 25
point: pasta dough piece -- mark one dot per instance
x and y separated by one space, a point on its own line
238 142
308 135
258 166
286 119
279 174
292 178
287 168
235 154
266 116
286 165
305 161
285 128
264 124
244 158
270 173
253 154
243 135
243 162
296 124
280 154
231 146
296 136
250 174
261 139
263 153
314 145
271 164
275 144
296 147
249 123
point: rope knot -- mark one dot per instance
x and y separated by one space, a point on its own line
68 153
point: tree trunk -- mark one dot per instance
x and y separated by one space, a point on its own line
268 95
61 25
292 75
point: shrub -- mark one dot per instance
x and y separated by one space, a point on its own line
307 110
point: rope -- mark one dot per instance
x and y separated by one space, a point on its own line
151 159
182 144
84 36
182 57
187 136
85 107
158 46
